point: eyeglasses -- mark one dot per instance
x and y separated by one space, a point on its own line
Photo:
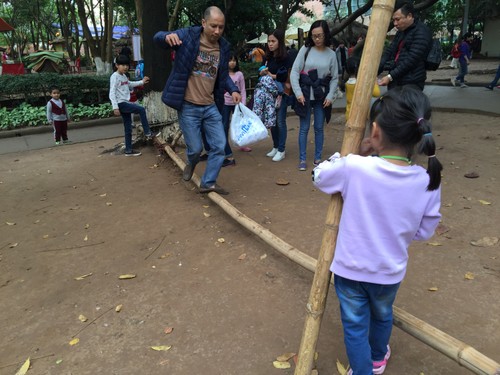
318 36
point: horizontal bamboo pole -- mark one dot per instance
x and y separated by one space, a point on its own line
460 352
455 349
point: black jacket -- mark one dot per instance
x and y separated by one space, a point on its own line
416 42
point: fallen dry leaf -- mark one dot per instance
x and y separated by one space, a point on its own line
168 330
127 276
469 276
74 341
24 368
103 195
45 236
485 242
82 318
87 226
471 175
83 276
242 256
433 289
281 365
13 245
341 369
59 361
434 244
109 204
285 357
205 206
10 223
264 256
282 182
442 229
118 308
161 348
86 238
206 214
486 203
221 240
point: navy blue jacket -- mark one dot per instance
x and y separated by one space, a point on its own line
185 57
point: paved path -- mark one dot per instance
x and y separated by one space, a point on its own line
472 100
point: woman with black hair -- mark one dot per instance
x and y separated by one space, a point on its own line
314 82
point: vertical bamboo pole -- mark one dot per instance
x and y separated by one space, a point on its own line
354 131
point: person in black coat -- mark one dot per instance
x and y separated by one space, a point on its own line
405 57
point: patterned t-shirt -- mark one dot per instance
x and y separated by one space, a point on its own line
201 83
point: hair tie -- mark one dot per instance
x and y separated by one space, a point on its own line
432 156
428 135
419 119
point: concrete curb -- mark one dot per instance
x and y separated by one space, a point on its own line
48 129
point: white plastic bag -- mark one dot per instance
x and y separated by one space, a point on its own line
246 127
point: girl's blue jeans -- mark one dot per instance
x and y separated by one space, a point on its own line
366 313
316 107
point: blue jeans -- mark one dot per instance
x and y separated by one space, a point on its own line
305 124
126 110
227 110
366 313
192 120
497 77
279 132
462 71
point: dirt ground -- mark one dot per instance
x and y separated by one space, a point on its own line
233 302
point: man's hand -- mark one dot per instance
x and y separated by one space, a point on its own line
146 79
384 81
236 97
301 99
116 112
173 40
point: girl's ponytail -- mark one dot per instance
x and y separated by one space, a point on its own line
427 146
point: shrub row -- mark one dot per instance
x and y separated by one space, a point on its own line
34 88
27 115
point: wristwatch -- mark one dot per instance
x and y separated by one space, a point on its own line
390 77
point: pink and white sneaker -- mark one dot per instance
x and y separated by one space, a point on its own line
379 366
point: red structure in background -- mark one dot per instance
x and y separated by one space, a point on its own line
4 26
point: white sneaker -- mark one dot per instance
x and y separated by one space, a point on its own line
271 153
453 81
463 85
279 156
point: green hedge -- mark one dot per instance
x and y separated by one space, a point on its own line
34 88
27 115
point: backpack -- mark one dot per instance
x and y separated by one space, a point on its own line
455 53
435 56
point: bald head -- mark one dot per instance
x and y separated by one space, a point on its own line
213 24
212 11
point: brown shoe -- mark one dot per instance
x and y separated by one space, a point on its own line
216 189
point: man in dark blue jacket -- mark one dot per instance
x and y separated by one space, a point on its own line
195 88
407 53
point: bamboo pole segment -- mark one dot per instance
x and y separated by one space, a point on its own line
354 131
265 234
455 349
436 339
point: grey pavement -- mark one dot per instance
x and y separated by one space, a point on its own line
476 100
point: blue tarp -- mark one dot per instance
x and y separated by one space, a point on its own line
118 31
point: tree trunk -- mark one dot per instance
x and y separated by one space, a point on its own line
157 66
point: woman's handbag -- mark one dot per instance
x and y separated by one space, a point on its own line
246 127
